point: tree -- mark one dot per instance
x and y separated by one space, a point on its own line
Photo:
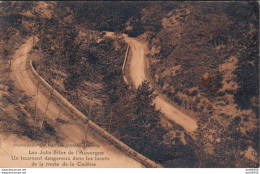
142 131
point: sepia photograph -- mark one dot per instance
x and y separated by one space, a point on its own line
129 84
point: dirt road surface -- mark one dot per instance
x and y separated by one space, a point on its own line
137 72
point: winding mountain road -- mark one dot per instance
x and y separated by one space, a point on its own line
138 73
74 131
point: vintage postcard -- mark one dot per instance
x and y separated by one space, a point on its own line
128 84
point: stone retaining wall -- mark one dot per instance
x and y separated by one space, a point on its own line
118 144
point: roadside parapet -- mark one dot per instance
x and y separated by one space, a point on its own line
118 144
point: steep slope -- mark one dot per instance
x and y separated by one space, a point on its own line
73 131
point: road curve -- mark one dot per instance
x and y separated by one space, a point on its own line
74 131
137 72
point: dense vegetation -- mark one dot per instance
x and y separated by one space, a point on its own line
205 59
